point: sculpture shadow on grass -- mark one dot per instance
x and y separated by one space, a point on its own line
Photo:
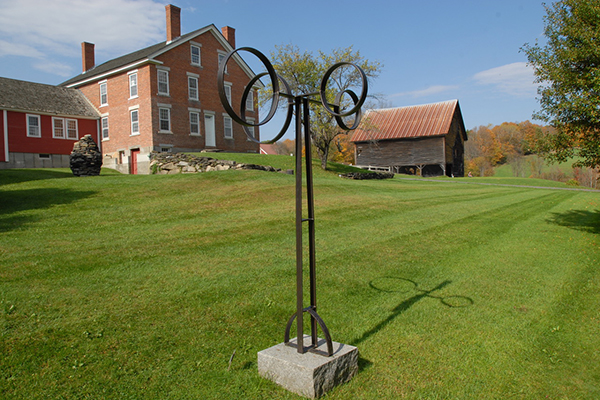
390 284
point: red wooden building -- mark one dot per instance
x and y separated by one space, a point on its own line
39 123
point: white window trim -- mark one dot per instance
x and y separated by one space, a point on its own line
227 86
67 120
197 112
168 109
131 122
131 74
193 78
199 46
39 125
250 100
158 73
64 130
102 119
226 118
221 53
104 84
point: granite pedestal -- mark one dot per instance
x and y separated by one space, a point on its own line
310 375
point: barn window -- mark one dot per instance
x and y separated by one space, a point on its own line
33 126
58 128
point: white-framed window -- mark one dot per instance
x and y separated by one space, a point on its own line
135 122
250 101
166 148
250 128
194 123
196 58
227 127
58 128
227 87
133 85
164 119
193 87
103 94
72 129
33 126
163 82
221 56
104 125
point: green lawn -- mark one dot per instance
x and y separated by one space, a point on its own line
142 287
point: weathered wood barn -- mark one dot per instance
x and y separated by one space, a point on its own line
426 140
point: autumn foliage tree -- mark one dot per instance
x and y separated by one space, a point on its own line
567 68
303 72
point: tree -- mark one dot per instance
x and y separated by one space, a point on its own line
303 71
567 68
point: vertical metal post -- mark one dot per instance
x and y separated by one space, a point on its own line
299 280
311 220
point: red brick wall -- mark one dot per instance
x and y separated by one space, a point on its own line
178 60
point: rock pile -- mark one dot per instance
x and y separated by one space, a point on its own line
178 163
368 175
85 159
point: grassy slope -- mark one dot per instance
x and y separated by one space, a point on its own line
143 286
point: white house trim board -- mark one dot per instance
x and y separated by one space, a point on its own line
5 135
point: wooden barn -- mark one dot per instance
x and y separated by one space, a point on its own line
427 140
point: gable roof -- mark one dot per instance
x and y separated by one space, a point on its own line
33 97
425 120
148 55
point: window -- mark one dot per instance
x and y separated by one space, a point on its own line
195 51
227 127
221 59
167 148
250 101
133 85
193 87
104 128
135 122
72 129
250 129
58 128
163 82
164 116
194 123
228 91
33 126
103 94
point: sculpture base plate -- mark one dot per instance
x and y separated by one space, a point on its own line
310 375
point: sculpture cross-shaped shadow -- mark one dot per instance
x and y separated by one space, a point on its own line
380 285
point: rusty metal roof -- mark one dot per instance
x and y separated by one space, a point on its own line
407 122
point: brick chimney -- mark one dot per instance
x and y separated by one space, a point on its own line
173 22
229 34
87 56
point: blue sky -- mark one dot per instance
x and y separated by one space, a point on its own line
431 50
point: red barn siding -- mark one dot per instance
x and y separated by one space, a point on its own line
46 144
3 143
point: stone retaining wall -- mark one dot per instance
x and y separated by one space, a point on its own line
178 163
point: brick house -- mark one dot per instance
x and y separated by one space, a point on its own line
40 123
427 139
165 97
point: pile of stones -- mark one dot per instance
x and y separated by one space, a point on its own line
368 175
85 159
178 163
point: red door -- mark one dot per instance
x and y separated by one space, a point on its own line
133 161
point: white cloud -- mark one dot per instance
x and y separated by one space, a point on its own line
56 68
515 79
52 30
431 90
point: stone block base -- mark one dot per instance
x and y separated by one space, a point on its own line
310 375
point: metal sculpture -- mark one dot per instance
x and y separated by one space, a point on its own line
298 105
